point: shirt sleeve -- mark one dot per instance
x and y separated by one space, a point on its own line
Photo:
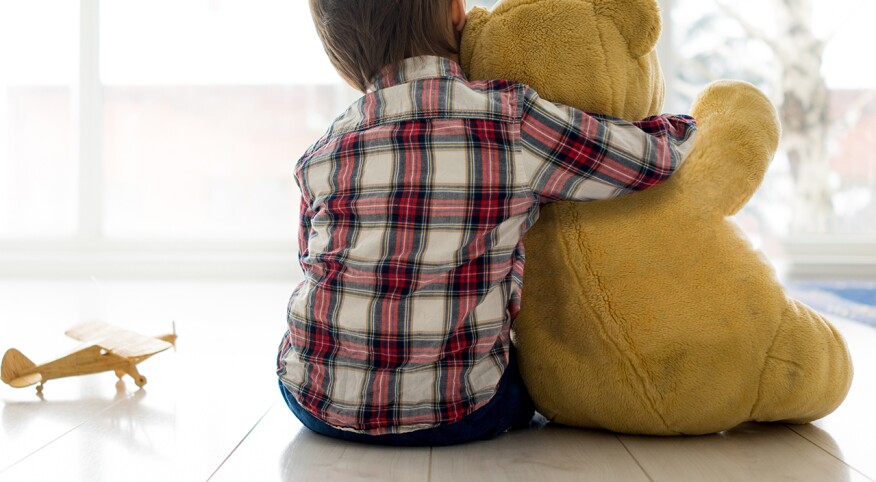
571 155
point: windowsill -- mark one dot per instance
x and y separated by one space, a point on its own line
835 257
191 259
831 257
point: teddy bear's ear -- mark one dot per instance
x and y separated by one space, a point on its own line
474 23
637 20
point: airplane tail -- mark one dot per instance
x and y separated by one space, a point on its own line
17 370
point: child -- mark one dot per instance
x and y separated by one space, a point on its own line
414 205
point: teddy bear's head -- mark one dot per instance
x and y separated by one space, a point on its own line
596 55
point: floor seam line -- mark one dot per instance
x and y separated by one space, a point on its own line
618 437
246 436
59 437
828 452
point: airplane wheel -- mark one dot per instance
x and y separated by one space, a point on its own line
39 389
140 381
120 374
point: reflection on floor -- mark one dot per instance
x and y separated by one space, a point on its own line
212 409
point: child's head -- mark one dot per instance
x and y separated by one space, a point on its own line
362 36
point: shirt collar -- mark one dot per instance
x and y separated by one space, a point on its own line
416 68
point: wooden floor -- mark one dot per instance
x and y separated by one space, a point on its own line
212 409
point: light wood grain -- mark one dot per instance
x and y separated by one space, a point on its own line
179 429
749 452
281 449
28 423
122 342
204 396
205 409
551 453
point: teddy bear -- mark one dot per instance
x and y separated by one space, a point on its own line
653 313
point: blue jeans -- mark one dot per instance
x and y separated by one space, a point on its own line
510 408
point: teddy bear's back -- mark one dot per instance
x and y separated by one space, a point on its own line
676 332
662 340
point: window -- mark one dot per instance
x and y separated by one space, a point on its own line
201 109
145 128
203 123
38 69
807 57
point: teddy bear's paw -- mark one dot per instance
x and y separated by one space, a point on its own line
738 134
741 105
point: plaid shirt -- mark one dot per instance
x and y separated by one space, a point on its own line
413 208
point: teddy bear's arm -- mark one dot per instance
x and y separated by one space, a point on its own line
739 133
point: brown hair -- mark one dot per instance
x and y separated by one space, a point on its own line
362 36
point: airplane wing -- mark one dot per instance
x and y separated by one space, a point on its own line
118 341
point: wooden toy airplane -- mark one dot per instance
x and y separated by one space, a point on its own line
107 348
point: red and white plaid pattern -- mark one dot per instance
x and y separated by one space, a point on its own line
413 209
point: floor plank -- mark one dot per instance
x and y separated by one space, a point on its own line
749 452
199 403
174 430
206 407
30 423
549 453
281 449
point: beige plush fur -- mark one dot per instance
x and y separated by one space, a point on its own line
653 314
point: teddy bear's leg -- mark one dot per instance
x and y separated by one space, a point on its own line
808 370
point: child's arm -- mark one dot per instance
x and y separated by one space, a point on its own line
571 155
